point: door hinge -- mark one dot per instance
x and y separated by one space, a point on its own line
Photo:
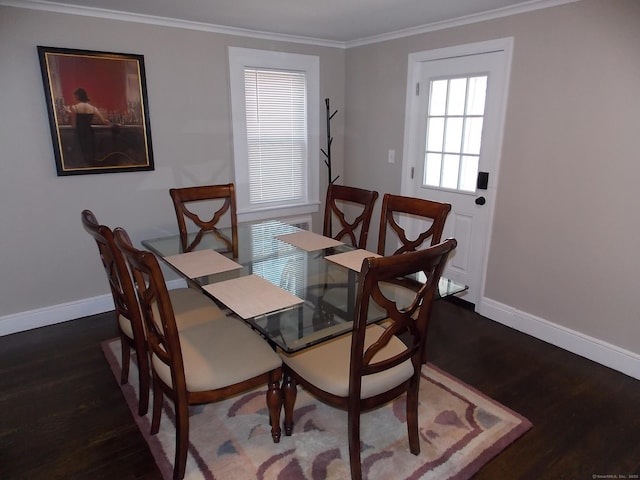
411 173
417 89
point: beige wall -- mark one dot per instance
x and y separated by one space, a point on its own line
47 258
566 218
566 223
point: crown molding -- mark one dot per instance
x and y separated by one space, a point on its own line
207 27
164 21
460 21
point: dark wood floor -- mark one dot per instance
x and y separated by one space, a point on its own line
62 415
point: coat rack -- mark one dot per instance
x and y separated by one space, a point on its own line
327 153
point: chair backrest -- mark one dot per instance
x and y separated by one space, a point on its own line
163 342
412 318
183 196
347 197
394 206
122 289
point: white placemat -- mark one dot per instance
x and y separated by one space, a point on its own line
202 262
352 259
309 241
250 296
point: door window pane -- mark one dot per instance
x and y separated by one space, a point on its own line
472 135
477 95
457 94
450 167
438 97
433 163
454 132
435 134
453 140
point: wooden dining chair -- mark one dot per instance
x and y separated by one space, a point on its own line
351 208
127 312
201 364
197 204
372 365
433 214
191 307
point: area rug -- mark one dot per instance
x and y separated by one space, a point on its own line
460 431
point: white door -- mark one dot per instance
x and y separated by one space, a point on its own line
453 139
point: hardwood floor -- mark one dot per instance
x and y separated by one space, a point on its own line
63 415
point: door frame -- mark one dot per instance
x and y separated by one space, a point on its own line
414 72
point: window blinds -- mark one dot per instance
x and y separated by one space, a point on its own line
276 134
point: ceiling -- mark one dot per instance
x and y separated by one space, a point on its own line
339 21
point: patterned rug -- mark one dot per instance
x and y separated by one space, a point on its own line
461 430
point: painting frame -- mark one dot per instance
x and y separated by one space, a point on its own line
98 110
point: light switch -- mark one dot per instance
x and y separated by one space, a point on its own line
391 158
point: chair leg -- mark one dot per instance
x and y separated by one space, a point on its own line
157 407
126 358
144 379
274 403
182 439
412 417
289 392
354 444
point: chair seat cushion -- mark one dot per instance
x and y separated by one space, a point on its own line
189 306
221 353
327 365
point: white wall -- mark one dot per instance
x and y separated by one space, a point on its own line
50 269
563 264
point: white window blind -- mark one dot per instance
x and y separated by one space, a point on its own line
275 107
275 102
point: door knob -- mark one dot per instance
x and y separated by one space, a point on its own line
480 201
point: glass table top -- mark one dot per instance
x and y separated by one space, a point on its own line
327 290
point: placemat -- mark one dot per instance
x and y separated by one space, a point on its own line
309 241
352 259
202 262
250 296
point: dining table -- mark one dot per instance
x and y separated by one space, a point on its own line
295 287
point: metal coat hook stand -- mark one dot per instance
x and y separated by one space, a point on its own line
327 153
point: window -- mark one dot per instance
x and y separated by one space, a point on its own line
454 131
275 110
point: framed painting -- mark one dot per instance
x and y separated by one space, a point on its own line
98 110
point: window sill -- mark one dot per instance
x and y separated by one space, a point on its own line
277 212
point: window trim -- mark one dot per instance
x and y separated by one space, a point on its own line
239 58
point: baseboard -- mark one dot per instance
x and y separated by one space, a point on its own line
43 317
588 347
